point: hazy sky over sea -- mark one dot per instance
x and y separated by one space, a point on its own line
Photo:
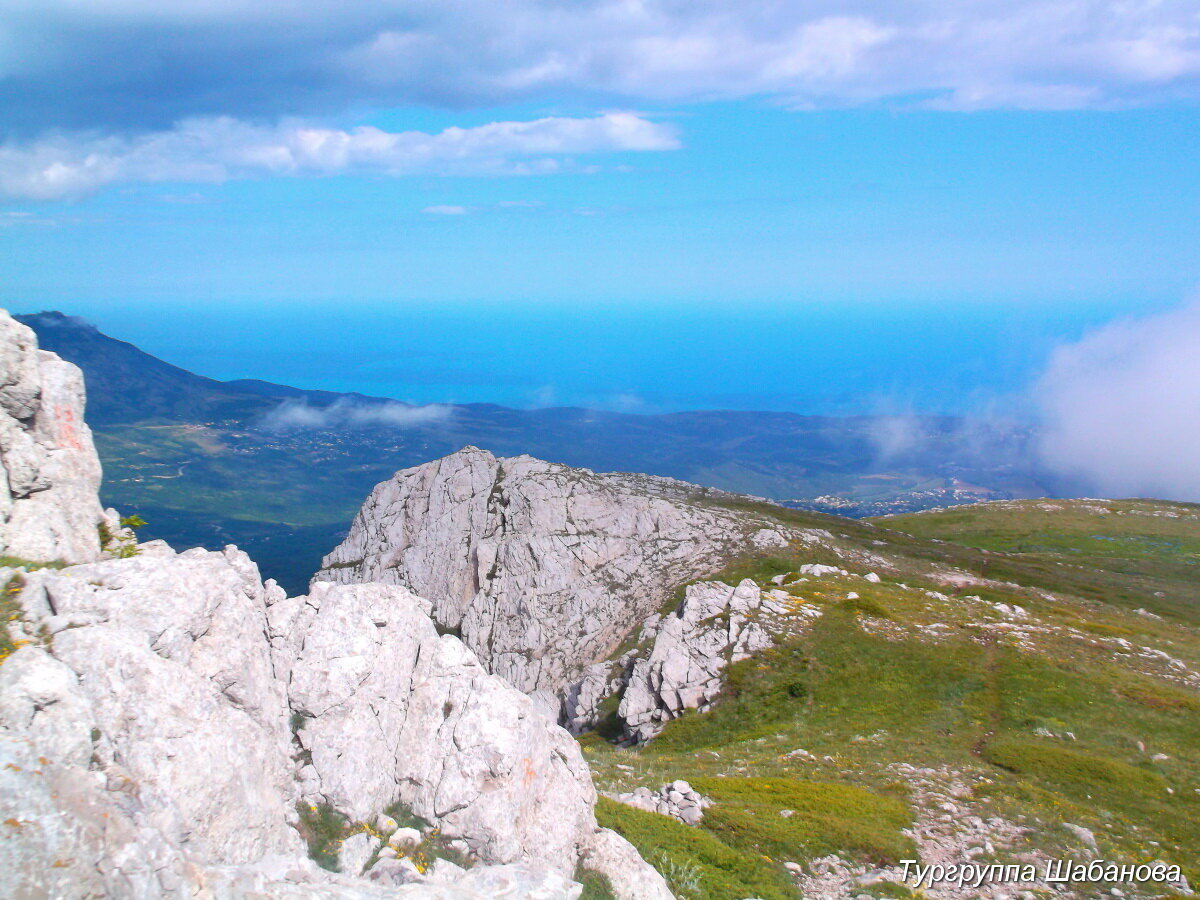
810 358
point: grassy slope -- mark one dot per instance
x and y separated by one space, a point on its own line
872 684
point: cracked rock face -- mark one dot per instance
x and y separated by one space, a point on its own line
713 627
146 727
167 660
147 724
394 711
49 472
542 568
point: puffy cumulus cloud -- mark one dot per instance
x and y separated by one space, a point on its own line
215 150
342 415
137 63
1121 407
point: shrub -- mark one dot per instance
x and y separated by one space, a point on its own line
865 607
10 611
434 845
123 545
595 885
323 829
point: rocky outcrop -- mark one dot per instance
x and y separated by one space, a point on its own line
677 800
155 674
714 626
581 706
147 720
542 569
392 711
49 472
678 661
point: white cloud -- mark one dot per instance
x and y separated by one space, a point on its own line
133 90
11 219
503 206
145 64
627 402
1121 407
345 415
216 150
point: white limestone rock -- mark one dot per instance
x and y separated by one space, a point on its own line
165 662
385 824
72 837
542 568
392 871
404 837
677 800
49 471
581 701
628 875
145 752
355 851
40 698
819 570
395 712
445 881
712 627
518 882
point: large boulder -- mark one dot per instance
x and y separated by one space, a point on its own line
392 711
171 672
541 568
49 471
147 750
144 732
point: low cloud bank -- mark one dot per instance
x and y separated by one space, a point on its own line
215 150
1120 408
292 415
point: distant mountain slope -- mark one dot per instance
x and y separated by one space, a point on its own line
189 450
126 384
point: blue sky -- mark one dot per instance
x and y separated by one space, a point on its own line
757 204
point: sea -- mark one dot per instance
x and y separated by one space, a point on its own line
806 357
